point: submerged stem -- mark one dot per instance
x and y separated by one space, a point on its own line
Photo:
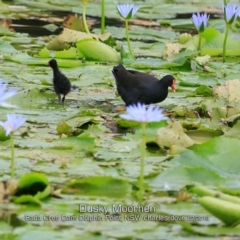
102 17
199 43
225 42
84 18
225 2
141 177
12 155
128 39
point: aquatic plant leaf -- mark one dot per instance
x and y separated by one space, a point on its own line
27 199
210 230
3 136
6 48
24 58
173 134
75 22
32 188
229 91
203 134
212 163
204 90
69 53
44 53
100 186
98 51
213 44
63 128
228 212
29 179
69 37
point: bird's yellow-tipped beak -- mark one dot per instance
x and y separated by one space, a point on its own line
173 86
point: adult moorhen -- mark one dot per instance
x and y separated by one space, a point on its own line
138 87
61 83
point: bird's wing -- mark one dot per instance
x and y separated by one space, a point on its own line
129 96
141 79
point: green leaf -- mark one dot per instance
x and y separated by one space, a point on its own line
213 45
63 127
204 90
3 136
126 123
27 199
44 194
212 231
203 191
151 130
24 58
212 163
227 212
4 31
32 188
29 179
6 47
100 186
94 50
69 53
173 134
44 53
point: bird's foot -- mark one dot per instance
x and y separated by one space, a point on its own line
59 99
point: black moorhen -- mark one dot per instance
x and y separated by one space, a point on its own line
138 87
61 83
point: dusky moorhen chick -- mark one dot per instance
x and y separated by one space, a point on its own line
138 87
61 83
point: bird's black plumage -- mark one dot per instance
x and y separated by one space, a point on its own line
138 87
61 83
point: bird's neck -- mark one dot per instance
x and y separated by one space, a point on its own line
56 72
162 84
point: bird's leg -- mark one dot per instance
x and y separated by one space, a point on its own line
59 98
63 99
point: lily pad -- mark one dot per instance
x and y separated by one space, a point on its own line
229 91
69 37
94 50
32 188
100 186
173 134
213 45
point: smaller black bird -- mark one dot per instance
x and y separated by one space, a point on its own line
61 83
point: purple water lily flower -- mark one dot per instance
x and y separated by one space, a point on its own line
127 11
13 123
200 21
231 12
140 113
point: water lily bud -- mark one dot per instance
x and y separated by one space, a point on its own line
127 11
200 21
231 12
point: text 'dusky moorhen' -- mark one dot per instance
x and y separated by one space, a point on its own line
61 83
138 87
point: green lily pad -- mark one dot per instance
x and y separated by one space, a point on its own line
63 127
212 163
94 50
32 188
100 186
213 45
173 134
